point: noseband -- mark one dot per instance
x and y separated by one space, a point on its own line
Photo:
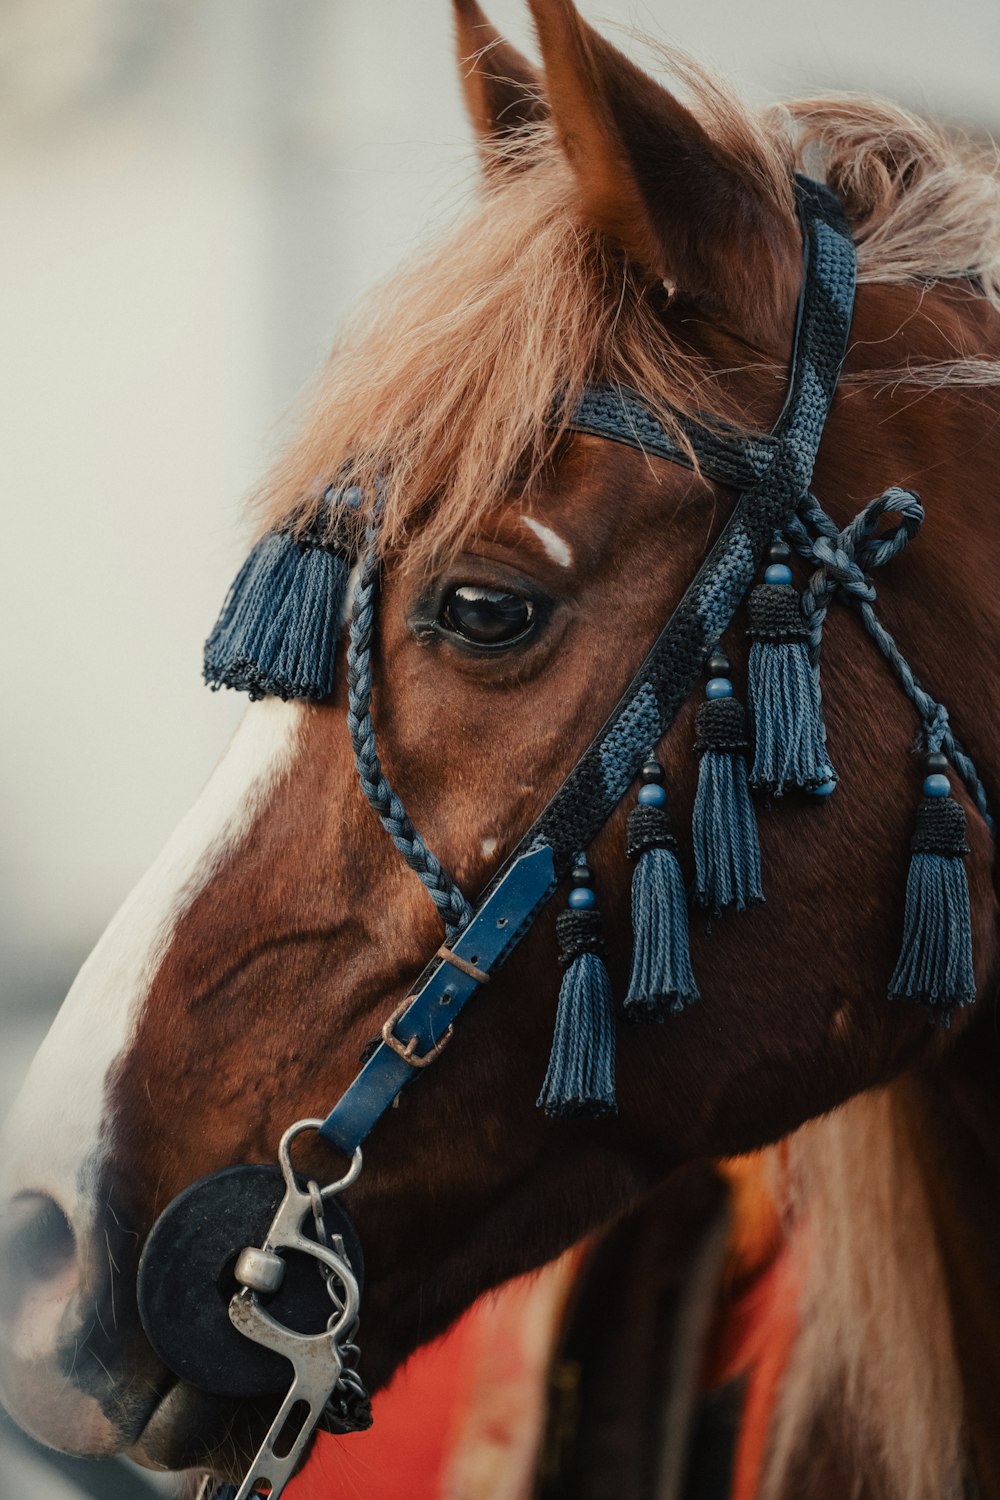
223 1296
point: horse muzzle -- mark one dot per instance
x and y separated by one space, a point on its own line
52 1381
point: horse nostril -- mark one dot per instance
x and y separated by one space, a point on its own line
37 1248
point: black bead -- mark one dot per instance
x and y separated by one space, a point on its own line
935 763
779 552
652 771
581 875
718 664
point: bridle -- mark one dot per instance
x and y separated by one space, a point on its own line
262 1223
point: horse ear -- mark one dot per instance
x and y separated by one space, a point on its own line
503 93
683 205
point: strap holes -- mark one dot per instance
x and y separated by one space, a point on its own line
501 921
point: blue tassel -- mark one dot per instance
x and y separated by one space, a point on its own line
935 961
724 825
661 980
256 591
277 633
783 692
580 1079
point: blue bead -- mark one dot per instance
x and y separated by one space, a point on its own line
936 785
719 687
652 795
825 789
581 898
778 573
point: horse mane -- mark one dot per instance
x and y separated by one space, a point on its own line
441 384
875 1352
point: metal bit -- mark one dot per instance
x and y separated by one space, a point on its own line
260 1270
317 1359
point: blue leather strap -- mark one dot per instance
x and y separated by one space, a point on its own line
440 994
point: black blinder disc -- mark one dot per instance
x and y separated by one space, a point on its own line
186 1282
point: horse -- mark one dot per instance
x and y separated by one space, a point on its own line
642 238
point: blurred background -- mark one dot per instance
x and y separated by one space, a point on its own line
193 192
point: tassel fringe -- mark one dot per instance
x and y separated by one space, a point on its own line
580 1080
783 693
298 654
661 981
935 961
277 633
724 824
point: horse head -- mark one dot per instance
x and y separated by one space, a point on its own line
621 237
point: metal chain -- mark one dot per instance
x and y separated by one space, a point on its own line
349 1403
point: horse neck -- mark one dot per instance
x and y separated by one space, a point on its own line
954 1110
894 1200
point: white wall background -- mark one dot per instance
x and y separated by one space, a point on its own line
192 192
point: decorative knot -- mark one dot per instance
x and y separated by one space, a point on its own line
846 558
579 932
855 551
649 828
721 724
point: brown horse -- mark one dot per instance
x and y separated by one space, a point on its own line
621 235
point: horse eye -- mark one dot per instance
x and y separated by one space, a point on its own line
486 617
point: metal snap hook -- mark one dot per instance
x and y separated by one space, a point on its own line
288 1171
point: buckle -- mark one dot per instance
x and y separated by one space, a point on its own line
407 1050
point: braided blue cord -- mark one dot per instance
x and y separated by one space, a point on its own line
454 909
843 560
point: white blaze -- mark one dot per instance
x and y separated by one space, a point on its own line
555 546
53 1133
